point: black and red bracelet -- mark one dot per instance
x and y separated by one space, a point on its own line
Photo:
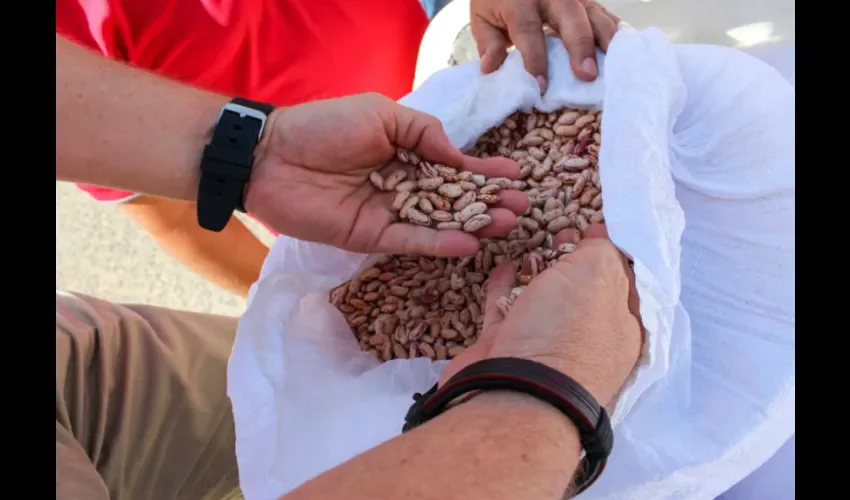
535 379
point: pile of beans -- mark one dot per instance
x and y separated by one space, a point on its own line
409 306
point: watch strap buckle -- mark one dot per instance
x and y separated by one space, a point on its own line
415 416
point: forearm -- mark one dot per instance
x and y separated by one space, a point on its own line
231 258
496 446
122 127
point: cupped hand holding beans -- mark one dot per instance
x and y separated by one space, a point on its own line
317 170
580 317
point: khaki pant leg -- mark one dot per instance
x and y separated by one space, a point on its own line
141 405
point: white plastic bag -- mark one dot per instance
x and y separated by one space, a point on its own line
713 397
775 479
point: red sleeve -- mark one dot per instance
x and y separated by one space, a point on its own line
94 23
107 195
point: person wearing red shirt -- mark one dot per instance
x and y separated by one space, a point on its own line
284 52
293 51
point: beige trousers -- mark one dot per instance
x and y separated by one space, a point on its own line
141 407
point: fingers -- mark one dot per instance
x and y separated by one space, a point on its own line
515 201
596 231
600 232
593 249
502 280
594 261
603 24
566 236
491 42
491 167
595 237
488 167
409 239
510 199
421 132
504 221
525 27
572 235
570 19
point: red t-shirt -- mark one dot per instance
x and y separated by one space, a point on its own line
280 51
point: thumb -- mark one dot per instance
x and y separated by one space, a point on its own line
414 130
501 282
499 285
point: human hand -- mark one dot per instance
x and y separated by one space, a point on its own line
581 24
579 317
311 177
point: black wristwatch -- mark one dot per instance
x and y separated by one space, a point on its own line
227 161
536 379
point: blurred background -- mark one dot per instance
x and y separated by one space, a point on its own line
101 252
722 22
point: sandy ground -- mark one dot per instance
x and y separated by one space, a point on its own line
102 253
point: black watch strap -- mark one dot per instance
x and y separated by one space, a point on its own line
536 379
227 161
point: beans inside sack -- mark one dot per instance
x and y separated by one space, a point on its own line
405 306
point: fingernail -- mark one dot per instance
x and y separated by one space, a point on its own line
589 66
542 83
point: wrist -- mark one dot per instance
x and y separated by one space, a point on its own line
552 407
206 114
228 161
541 416
260 153
601 386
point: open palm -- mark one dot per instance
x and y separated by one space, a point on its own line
311 179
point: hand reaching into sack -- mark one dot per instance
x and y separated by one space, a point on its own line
579 317
311 177
581 24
